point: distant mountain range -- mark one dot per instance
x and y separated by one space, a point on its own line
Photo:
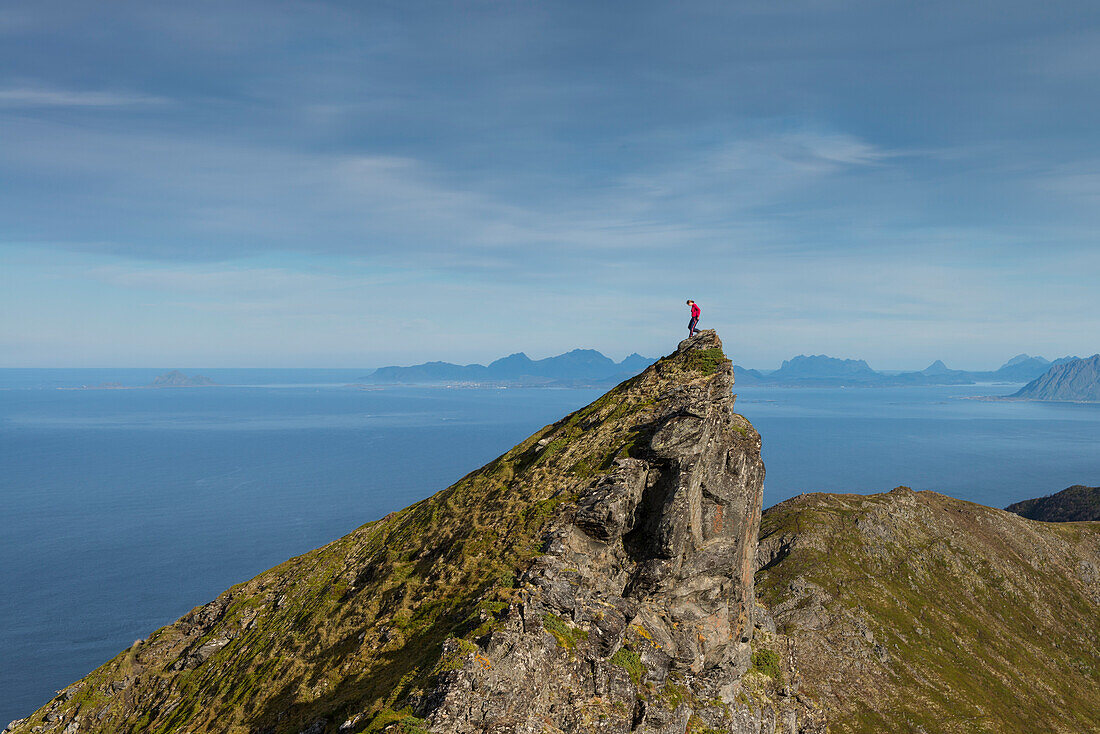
1076 380
1022 368
823 371
580 367
588 367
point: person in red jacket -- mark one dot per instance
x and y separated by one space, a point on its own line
694 317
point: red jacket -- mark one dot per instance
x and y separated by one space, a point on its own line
694 311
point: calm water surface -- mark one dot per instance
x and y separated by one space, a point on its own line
126 508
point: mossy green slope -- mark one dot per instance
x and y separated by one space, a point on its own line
916 612
350 629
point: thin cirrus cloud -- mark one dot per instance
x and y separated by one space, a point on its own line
39 97
217 281
189 199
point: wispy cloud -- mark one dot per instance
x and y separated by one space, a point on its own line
222 282
187 199
41 97
1077 184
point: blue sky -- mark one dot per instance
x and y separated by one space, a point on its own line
358 184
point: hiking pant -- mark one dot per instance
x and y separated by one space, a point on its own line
692 323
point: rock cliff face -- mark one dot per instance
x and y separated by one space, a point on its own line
597 577
647 584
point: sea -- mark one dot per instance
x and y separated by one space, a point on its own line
122 509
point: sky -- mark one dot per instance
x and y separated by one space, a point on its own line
329 184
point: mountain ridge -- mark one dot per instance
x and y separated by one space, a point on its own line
614 572
575 367
820 365
586 367
611 553
1076 380
917 612
1073 504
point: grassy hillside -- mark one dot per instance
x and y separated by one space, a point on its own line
916 612
344 632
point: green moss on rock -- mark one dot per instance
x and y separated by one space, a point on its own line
631 662
706 361
566 634
767 662
396 722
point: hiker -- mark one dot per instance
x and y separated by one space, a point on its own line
694 317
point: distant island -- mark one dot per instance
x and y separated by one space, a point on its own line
1073 504
823 371
590 368
175 378
1077 381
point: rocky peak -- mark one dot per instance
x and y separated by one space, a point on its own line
645 582
598 576
936 368
664 538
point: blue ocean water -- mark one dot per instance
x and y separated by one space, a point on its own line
124 509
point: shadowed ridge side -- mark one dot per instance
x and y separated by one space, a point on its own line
1073 504
621 536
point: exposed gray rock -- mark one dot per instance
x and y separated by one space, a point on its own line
646 586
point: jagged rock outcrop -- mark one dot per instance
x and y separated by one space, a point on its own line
597 577
648 584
